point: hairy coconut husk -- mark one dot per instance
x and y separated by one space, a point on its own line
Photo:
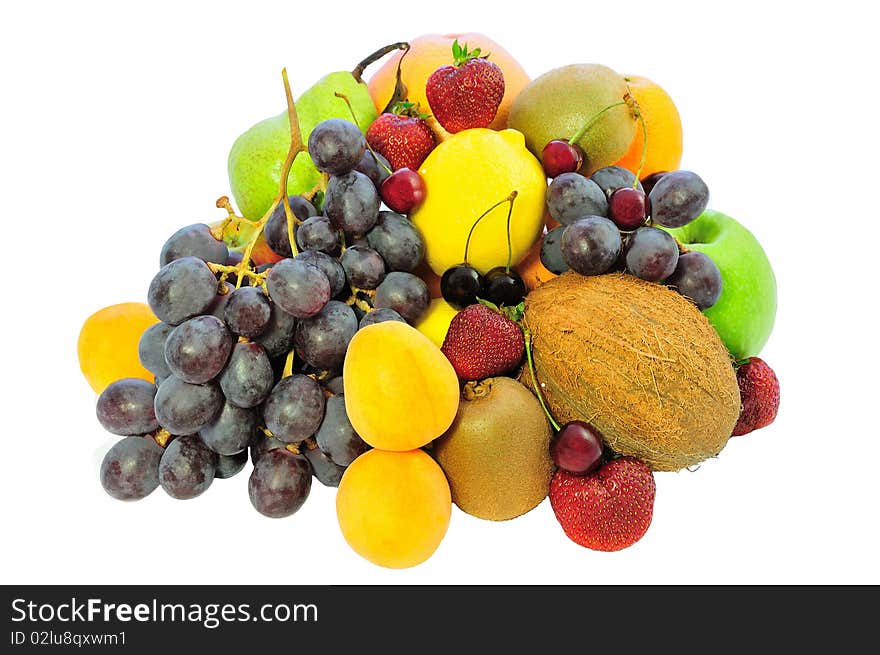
637 361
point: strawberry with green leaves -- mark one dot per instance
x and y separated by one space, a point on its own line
402 136
467 93
484 341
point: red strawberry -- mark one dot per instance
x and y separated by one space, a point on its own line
610 509
466 94
402 137
482 343
759 394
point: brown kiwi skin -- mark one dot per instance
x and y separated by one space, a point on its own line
496 454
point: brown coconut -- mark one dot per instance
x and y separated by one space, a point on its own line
637 361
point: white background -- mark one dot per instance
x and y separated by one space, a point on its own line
116 123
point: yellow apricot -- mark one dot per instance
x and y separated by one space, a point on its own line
400 390
108 344
394 507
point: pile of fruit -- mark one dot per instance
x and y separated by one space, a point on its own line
451 284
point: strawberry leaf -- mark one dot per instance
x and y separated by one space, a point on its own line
457 50
516 313
407 108
461 55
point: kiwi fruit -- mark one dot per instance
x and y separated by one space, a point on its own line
496 454
560 102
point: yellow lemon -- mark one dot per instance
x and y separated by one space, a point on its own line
434 324
108 344
464 176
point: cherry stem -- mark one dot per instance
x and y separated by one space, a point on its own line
644 157
509 246
528 339
509 199
354 118
577 137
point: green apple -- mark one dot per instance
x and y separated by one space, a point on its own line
257 156
746 310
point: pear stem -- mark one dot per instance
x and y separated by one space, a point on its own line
528 339
467 243
358 71
577 137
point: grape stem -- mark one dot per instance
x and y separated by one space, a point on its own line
577 137
354 118
637 111
225 271
243 269
528 339
288 365
220 230
162 437
296 146
360 303
509 199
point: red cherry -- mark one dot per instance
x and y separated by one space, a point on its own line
628 208
560 157
577 448
403 190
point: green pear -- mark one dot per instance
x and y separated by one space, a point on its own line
257 156
745 312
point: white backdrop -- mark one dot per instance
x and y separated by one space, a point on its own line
116 123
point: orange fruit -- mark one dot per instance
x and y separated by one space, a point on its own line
429 52
663 125
108 344
531 270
